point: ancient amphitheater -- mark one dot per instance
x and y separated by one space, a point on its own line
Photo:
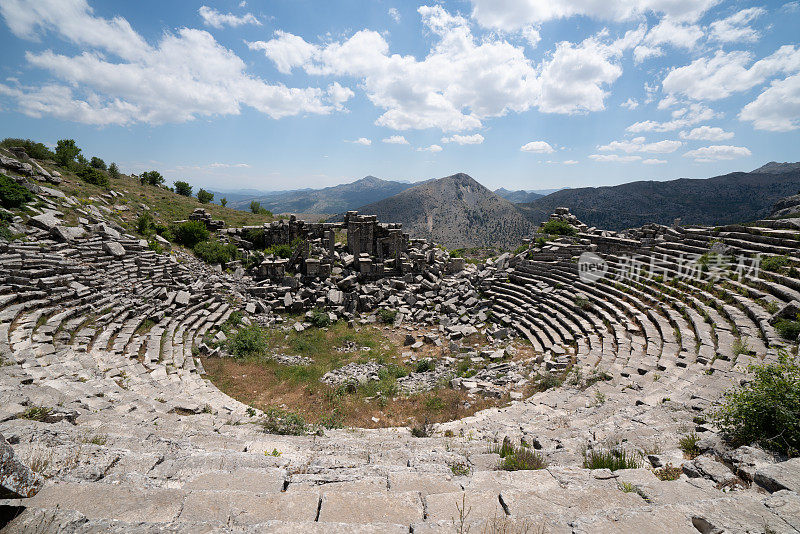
134 439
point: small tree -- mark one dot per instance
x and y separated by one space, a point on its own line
82 161
113 170
98 163
223 202
255 207
151 177
183 188
204 196
66 152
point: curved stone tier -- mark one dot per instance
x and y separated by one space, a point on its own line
100 330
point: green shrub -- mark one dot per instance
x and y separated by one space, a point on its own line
460 469
281 251
281 422
774 263
93 176
13 195
387 316
66 152
145 224
223 202
767 409
613 460
253 260
204 197
98 164
518 458
335 419
520 249
319 318
787 329
214 252
423 366
248 341
557 227
183 188
33 149
668 472
113 170
688 444
191 233
35 413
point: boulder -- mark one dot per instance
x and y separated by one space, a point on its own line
45 221
17 481
114 248
182 298
67 233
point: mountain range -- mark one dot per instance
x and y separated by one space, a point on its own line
730 198
336 199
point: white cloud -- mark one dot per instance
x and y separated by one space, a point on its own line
215 19
532 35
631 103
362 141
777 109
653 161
717 152
229 165
614 158
185 76
537 147
462 80
395 14
734 29
693 114
706 133
285 50
667 32
396 140
474 139
570 162
431 148
725 73
510 15
637 144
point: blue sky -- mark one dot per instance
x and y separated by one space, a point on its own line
523 94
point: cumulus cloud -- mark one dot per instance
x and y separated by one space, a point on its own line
614 158
653 161
215 19
670 32
537 147
717 153
638 144
462 80
735 29
726 73
688 116
431 148
474 139
631 103
777 109
706 133
510 15
186 75
396 140
362 141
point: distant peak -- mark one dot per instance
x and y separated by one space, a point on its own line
774 167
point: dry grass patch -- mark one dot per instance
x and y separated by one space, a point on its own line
256 379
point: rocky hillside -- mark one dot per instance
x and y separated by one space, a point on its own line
731 198
455 211
335 199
